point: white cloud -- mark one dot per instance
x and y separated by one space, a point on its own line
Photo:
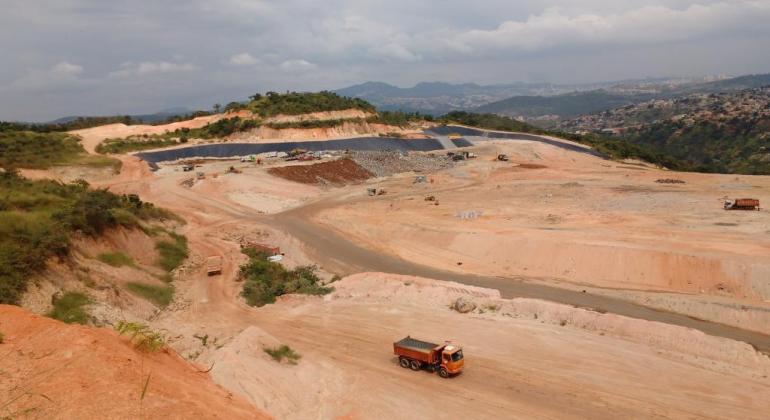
394 52
336 43
297 65
62 75
641 26
66 69
244 59
146 68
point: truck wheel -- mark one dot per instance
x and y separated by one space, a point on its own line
403 362
443 373
415 365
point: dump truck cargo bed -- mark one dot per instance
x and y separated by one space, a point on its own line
214 265
417 345
423 351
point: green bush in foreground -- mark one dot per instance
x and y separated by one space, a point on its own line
265 280
159 295
283 352
71 308
141 336
38 218
26 149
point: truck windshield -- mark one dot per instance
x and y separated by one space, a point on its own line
457 355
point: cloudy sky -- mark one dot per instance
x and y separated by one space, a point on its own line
79 57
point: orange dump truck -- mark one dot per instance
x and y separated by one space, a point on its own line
214 265
447 359
742 204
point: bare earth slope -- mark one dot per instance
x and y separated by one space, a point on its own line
93 136
52 370
524 359
558 221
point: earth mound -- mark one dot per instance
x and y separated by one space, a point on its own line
54 370
338 172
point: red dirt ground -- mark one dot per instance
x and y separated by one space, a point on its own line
49 369
338 172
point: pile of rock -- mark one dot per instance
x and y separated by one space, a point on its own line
463 305
386 163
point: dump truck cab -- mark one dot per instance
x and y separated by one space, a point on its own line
452 359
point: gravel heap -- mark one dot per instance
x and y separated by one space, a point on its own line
385 163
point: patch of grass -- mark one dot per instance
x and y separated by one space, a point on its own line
95 161
204 339
70 308
141 336
173 252
133 144
27 149
283 352
265 280
159 295
38 219
116 259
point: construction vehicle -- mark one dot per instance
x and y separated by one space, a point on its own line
249 158
375 191
233 170
742 204
214 265
502 158
187 168
297 151
446 359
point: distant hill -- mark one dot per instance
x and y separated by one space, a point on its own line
547 110
737 83
141 118
563 106
439 98
726 132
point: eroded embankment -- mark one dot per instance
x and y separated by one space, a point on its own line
54 370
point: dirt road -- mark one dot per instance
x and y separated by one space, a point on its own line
523 366
337 253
